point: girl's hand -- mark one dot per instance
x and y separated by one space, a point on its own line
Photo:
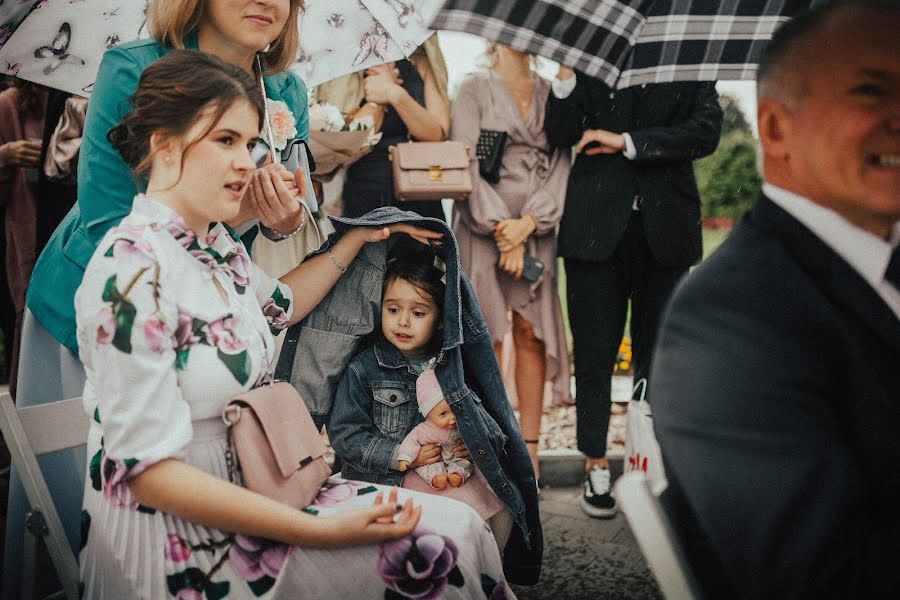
382 86
373 525
273 193
510 233
513 261
379 234
428 454
24 153
460 451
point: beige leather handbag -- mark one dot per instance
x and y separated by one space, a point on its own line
430 170
281 454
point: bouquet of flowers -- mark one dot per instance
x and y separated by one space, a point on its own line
334 143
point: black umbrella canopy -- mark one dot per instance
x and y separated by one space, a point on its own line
632 42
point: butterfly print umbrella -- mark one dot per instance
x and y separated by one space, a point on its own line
59 43
340 37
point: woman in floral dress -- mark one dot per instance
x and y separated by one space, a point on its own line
173 319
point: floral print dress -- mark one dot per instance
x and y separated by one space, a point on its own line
171 325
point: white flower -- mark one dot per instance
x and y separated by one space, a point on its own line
282 122
325 117
361 123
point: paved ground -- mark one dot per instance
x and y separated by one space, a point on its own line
587 558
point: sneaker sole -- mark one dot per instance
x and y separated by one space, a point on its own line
598 513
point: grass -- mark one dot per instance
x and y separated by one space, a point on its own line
712 239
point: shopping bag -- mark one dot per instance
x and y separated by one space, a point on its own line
641 448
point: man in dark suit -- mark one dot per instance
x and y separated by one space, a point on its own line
630 230
776 379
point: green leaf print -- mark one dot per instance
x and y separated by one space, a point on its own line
238 364
181 358
124 313
279 299
191 578
110 291
96 480
85 528
261 585
455 577
311 511
366 490
217 589
97 413
239 288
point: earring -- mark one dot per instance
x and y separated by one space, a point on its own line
168 159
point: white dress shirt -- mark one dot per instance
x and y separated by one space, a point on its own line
868 254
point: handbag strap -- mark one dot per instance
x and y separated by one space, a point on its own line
642 384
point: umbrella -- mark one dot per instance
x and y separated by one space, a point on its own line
631 42
59 43
340 37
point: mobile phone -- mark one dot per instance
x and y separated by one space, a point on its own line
532 269
298 156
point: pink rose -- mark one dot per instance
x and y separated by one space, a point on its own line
115 475
282 122
184 334
221 334
275 315
254 558
153 331
239 263
106 325
136 253
177 550
337 490
180 231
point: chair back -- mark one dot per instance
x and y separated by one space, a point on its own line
30 432
656 537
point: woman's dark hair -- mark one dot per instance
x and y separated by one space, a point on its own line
415 263
172 94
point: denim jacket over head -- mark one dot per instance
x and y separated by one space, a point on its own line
318 349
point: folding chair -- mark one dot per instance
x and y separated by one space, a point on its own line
656 537
30 432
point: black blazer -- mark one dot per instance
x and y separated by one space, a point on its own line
671 124
776 400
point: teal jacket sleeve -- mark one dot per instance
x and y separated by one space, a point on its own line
105 185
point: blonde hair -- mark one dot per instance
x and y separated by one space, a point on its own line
170 20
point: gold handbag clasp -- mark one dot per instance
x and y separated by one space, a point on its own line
435 173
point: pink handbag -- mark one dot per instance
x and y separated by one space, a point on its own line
430 170
279 449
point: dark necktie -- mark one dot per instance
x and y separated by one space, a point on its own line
892 275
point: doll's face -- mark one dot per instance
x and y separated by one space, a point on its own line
442 416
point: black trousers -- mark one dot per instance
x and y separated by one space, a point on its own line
598 295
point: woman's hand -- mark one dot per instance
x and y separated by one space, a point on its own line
512 232
428 454
24 153
379 234
373 525
273 193
513 261
382 84
600 141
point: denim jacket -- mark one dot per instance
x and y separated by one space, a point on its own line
317 350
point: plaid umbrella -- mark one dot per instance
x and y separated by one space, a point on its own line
631 42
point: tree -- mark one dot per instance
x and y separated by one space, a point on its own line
728 179
733 118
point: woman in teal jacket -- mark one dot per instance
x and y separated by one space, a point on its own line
232 30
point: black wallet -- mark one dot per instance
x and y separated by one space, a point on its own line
532 269
489 151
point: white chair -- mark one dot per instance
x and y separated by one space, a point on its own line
47 372
655 537
31 432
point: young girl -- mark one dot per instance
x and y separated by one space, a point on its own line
376 405
173 320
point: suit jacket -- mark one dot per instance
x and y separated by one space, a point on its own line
776 399
671 124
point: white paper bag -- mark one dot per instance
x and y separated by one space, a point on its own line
641 448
